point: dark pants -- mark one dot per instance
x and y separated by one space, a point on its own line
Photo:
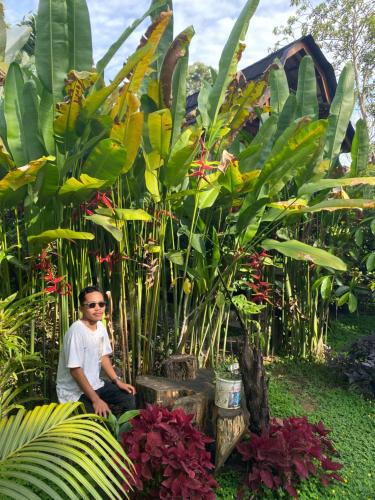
119 401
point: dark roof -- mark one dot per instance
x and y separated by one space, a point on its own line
307 45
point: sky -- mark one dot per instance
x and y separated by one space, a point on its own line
212 21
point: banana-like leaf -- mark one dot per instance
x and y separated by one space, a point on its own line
360 149
332 205
103 62
79 32
126 214
160 131
178 108
314 187
231 179
307 99
20 177
177 50
13 110
78 191
16 38
6 162
229 59
301 251
46 116
279 89
287 115
59 233
165 40
243 101
68 110
34 146
3 34
180 158
153 38
340 113
105 161
254 156
135 68
61 454
106 223
52 47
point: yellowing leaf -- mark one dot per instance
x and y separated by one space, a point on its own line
187 286
54 234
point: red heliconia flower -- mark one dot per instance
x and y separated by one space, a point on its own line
158 213
202 165
109 259
42 261
56 285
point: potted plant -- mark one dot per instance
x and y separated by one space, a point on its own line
228 385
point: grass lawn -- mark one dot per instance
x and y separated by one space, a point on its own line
303 388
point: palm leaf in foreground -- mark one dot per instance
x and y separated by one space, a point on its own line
61 453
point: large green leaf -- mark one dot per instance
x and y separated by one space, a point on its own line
178 108
314 187
229 59
301 251
13 110
57 453
32 136
253 157
340 113
360 149
332 205
105 161
279 89
126 214
79 31
181 156
64 234
160 131
16 179
78 191
106 223
307 100
3 34
52 48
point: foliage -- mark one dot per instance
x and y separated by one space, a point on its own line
345 29
288 452
358 365
345 329
56 451
169 456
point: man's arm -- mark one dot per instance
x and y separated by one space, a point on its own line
112 375
101 408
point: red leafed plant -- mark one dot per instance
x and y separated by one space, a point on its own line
288 452
169 456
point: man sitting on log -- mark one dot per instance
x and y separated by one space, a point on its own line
86 348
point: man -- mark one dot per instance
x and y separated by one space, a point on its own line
85 349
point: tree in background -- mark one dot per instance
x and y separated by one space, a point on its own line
197 73
346 30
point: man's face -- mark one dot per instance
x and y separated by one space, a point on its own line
93 313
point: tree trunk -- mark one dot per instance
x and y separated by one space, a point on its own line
255 385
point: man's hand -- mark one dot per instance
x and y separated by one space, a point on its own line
125 387
101 408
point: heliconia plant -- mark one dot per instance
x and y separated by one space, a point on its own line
111 184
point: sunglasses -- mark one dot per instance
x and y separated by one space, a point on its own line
91 305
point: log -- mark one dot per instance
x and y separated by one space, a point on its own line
180 367
196 405
229 429
159 390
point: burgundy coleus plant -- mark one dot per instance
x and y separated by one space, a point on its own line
289 451
169 455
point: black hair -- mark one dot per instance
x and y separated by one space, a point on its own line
86 290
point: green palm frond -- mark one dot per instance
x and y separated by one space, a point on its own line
61 453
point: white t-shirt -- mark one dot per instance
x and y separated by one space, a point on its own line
82 348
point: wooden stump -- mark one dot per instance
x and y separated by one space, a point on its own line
230 427
180 367
196 405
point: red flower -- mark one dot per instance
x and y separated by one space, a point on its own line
58 286
202 164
